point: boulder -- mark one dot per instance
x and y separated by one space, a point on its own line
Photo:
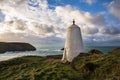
62 48
94 51
15 46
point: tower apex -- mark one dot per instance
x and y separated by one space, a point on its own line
73 21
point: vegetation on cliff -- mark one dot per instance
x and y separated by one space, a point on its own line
87 67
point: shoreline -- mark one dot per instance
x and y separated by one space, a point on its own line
10 55
55 56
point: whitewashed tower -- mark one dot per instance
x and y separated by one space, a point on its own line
73 43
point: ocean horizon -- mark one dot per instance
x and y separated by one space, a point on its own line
50 50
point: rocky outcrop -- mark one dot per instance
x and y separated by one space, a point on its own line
62 48
15 46
94 51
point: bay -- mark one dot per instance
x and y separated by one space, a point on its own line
50 50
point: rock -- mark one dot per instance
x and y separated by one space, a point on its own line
15 46
94 51
62 49
89 67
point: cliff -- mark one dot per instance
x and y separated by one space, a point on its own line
88 67
15 46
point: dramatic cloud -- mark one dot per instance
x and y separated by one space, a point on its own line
23 37
114 8
110 30
68 12
33 21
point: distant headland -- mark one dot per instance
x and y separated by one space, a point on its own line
15 46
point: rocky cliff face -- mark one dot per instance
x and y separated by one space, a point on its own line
15 46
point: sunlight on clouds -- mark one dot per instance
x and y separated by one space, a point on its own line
33 21
114 8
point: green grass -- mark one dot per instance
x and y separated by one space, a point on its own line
93 67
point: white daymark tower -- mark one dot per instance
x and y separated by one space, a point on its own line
73 43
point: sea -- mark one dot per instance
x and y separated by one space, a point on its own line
51 50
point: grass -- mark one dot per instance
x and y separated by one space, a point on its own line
93 67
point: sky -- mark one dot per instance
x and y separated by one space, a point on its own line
44 22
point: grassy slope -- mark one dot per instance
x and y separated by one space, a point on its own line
94 67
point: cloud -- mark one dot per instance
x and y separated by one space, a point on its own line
114 8
40 30
13 26
110 30
89 30
60 17
67 13
89 23
33 21
32 32
102 40
90 2
35 40
44 29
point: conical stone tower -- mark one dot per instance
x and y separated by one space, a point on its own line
73 43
